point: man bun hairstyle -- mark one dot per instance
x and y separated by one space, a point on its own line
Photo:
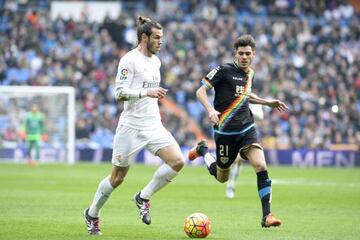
245 40
145 25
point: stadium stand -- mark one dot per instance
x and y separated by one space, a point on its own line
308 54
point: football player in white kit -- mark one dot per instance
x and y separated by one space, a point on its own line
138 85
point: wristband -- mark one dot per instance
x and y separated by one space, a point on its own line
142 93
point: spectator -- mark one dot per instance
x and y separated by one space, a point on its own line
308 50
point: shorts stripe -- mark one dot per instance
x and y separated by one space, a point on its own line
236 133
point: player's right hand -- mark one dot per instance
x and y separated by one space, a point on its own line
213 115
158 92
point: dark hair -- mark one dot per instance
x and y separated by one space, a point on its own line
145 25
245 40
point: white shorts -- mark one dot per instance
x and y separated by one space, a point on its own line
128 142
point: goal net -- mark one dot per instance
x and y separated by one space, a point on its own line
57 105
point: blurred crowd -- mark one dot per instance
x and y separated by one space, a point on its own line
308 55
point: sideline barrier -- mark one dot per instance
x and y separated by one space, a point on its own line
294 157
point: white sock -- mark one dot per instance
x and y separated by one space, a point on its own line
101 196
234 174
209 159
163 175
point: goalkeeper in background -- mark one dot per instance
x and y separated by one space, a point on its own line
34 129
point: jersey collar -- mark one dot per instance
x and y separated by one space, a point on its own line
237 66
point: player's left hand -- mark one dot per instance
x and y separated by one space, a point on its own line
158 92
279 105
214 116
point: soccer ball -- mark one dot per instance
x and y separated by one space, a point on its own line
197 225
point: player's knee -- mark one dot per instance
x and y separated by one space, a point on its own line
178 163
116 181
222 179
259 166
222 174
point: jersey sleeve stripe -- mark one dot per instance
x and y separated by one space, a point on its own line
206 83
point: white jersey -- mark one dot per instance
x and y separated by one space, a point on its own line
257 111
137 71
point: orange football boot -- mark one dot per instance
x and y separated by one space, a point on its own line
270 221
195 152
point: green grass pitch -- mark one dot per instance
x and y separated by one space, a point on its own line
47 201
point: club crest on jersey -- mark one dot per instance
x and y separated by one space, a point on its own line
224 159
124 74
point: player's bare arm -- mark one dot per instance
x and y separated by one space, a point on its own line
201 94
273 103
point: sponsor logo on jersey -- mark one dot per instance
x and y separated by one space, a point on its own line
237 78
124 73
150 84
239 91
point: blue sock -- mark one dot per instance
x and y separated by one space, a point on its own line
264 188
